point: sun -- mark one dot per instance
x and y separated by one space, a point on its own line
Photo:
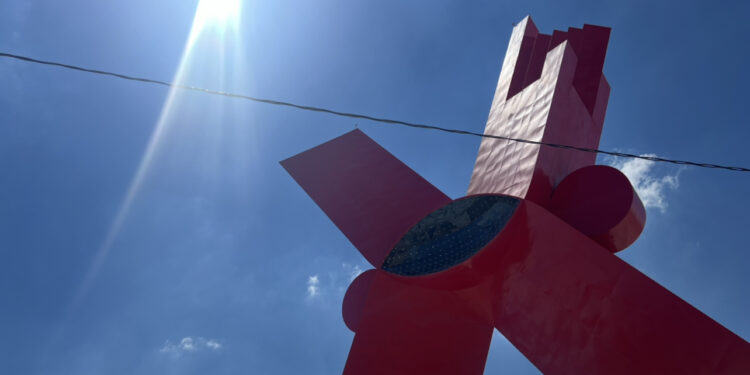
217 12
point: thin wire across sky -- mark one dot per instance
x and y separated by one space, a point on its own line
370 118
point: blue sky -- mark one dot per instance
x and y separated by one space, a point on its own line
149 232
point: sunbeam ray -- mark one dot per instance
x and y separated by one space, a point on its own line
220 19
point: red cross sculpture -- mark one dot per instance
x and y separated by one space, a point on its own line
529 250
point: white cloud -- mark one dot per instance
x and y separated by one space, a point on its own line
651 188
191 344
187 345
313 286
332 283
213 344
352 271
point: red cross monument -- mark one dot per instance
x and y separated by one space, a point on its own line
529 251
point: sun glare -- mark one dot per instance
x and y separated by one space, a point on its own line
216 12
218 19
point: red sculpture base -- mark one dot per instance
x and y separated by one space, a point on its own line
568 304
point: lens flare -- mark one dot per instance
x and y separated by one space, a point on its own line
215 24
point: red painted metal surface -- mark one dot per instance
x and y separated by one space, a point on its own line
409 329
551 89
371 196
601 203
563 300
548 279
571 307
355 297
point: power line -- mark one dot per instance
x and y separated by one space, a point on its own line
372 118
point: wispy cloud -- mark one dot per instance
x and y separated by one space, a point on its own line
332 283
191 344
313 286
652 188
352 271
213 344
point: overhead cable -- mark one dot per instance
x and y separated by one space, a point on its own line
373 118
